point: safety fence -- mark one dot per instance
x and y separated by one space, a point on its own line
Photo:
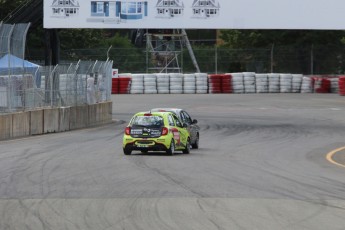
237 83
27 86
308 60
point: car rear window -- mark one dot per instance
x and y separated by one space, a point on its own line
148 121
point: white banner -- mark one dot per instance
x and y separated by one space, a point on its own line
195 14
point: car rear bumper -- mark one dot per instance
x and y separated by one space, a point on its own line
156 147
160 144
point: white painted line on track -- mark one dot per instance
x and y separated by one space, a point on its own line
330 155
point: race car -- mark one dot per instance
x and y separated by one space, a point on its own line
185 118
156 131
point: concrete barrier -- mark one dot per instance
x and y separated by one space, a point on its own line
92 110
5 126
64 119
20 124
107 112
100 116
79 117
36 122
51 120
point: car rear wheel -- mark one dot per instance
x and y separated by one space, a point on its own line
127 151
195 145
186 150
171 149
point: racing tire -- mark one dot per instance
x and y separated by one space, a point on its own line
144 151
127 151
187 148
195 145
171 149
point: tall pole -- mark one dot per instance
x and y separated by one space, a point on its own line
312 60
216 58
272 57
147 51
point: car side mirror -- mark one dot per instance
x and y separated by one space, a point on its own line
195 121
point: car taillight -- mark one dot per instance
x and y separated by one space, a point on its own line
128 131
165 131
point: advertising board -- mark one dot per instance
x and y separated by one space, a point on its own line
195 14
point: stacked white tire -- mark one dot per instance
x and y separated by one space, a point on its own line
249 82
176 83
285 83
296 83
189 86
334 85
261 81
237 83
201 83
273 83
150 84
163 83
307 85
137 85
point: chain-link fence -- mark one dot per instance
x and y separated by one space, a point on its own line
85 82
308 60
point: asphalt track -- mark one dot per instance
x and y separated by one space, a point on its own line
263 163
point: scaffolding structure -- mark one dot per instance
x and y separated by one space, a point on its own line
165 51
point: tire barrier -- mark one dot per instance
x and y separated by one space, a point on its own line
124 85
273 83
296 83
137 86
307 85
150 84
334 85
189 84
226 83
220 83
322 85
237 83
163 83
261 82
341 83
121 84
176 83
214 83
201 82
249 82
285 83
115 85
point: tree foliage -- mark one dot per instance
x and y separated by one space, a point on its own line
300 51
265 38
7 6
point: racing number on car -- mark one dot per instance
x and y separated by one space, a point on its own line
176 135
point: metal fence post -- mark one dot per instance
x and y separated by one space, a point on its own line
51 85
216 58
312 60
272 57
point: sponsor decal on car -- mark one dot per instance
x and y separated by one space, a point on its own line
176 135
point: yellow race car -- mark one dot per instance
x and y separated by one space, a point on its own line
156 131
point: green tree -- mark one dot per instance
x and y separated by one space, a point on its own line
7 6
293 50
